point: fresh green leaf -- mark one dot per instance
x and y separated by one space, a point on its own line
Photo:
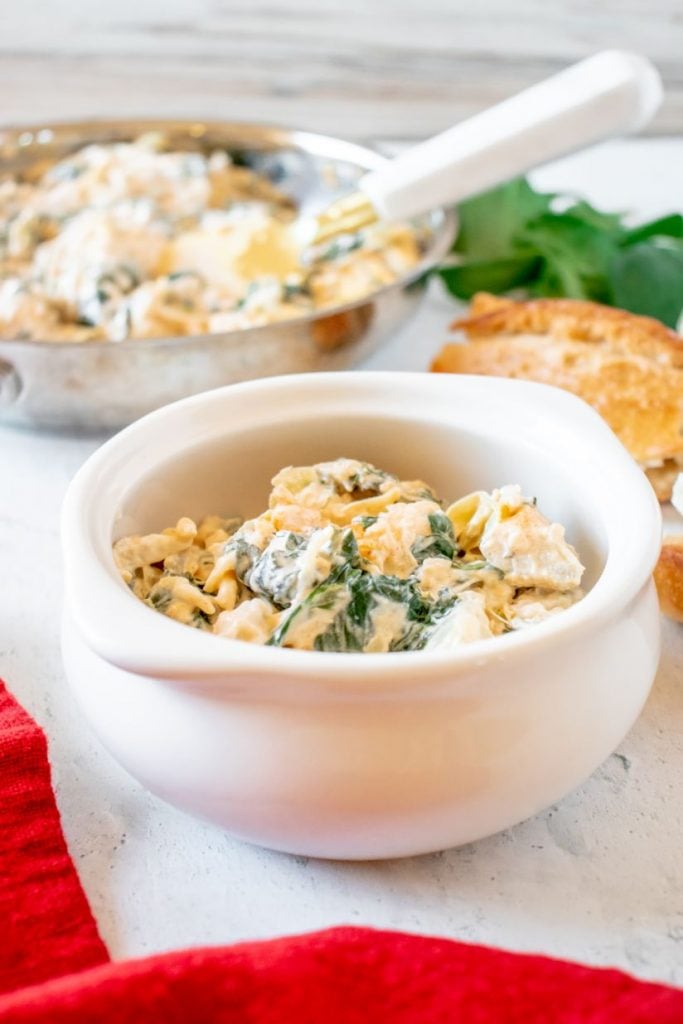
496 276
610 223
671 226
552 245
576 257
490 221
648 279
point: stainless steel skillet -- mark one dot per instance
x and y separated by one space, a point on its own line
103 385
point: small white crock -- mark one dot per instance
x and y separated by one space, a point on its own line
352 755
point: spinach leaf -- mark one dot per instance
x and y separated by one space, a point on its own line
245 556
110 285
274 572
610 223
160 599
179 275
478 566
404 592
670 226
292 290
341 246
497 275
351 629
367 479
575 256
648 279
440 543
353 595
327 594
553 245
490 221
349 551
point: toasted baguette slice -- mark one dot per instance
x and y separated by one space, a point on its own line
669 577
572 318
629 368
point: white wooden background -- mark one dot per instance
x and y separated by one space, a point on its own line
359 68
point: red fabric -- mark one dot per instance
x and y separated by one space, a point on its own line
346 976
46 928
53 969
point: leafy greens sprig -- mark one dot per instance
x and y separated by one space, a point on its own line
552 245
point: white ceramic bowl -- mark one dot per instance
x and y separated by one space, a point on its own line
359 755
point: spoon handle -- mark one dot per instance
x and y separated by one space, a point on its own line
611 93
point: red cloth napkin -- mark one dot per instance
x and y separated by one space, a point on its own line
46 928
54 967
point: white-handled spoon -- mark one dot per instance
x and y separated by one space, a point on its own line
612 93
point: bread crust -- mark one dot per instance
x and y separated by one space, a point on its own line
669 577
573 319
629 368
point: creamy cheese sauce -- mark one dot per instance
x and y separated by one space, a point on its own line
127 240
349 558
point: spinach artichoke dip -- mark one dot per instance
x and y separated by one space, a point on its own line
350 558
129 240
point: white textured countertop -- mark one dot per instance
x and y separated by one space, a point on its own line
597 878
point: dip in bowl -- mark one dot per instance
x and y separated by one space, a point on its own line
358 755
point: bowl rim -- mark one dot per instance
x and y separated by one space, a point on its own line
442 221
159 647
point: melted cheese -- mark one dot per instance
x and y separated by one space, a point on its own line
234 252
465 623
101 246
253 621
533 606
311 573
308 626
531 551
314 563
389 622
387 544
